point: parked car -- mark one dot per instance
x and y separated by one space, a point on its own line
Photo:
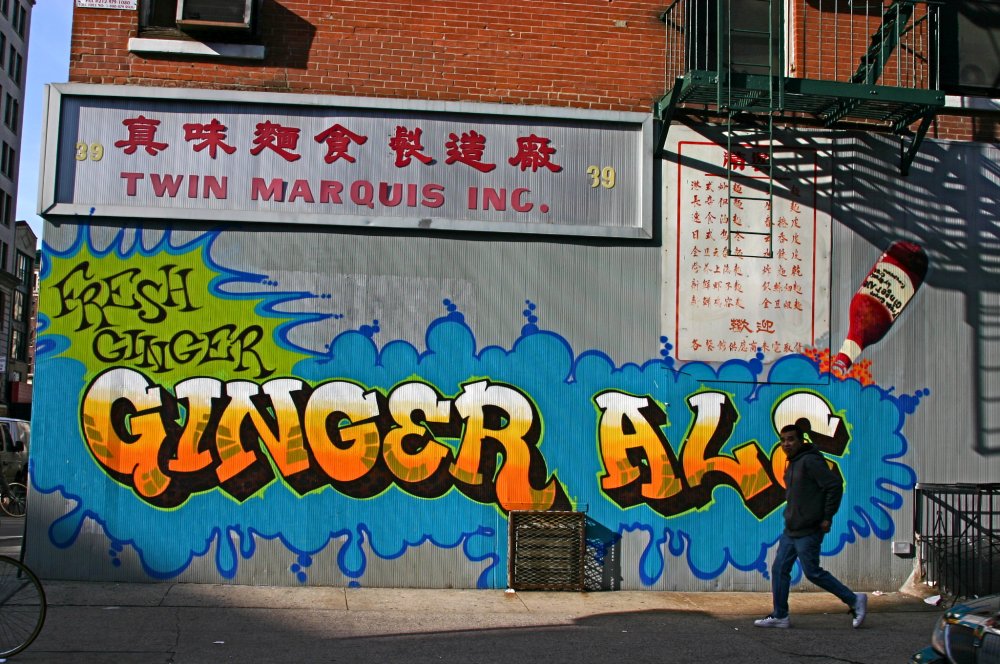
967 633
15 436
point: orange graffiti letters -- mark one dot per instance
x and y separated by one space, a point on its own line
641 467
237 434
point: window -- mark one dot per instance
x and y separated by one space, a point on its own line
6 209
20 19
740 36
17 313
5 7
970 47
18 70
214 14
3 47
17 350
161 13
11 110
221 20
14 65
3 262
23 269
7 160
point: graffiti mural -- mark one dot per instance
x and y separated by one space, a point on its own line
196 425
336 433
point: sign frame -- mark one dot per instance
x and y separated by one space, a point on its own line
63 99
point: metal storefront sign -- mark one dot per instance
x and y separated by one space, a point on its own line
114 151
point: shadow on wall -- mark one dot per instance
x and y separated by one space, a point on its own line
286 35
985 130
948 205
603 562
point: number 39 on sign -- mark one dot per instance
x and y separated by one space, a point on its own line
94 152
602 176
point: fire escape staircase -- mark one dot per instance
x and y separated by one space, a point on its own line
752 97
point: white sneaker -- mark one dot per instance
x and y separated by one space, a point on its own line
771 621
860 609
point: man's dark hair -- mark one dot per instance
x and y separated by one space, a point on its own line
796 428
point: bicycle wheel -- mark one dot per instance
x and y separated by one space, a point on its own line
22 606
13 503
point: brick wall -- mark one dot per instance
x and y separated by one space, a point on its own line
595 54
982 128
832 39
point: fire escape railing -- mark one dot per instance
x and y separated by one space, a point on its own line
841 63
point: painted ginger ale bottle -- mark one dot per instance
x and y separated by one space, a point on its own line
888 288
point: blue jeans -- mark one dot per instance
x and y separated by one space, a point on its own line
806 549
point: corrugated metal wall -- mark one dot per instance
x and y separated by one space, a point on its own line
601 298
949 205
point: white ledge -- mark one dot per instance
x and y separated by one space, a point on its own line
204 49
972 103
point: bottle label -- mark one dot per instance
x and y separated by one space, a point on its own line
850 350
890 285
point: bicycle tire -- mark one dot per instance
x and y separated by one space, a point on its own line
22 606
13 503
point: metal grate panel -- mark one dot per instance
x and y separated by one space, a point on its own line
547 550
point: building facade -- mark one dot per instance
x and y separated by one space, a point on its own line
338 292
15 27
23 318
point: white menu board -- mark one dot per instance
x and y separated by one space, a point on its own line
746 247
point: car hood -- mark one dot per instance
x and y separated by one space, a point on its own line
979 613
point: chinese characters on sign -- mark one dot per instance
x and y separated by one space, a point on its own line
533 151
354 165
751 268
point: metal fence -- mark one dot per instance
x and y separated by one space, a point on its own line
957 529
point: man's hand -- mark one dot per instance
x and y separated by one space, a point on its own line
824 526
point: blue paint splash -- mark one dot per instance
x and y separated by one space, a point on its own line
542 364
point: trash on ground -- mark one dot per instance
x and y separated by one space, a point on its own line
933 600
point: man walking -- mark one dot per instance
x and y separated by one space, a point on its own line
812 496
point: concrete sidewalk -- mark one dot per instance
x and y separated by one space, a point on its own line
175 623
109 596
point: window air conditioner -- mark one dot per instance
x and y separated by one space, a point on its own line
196 15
